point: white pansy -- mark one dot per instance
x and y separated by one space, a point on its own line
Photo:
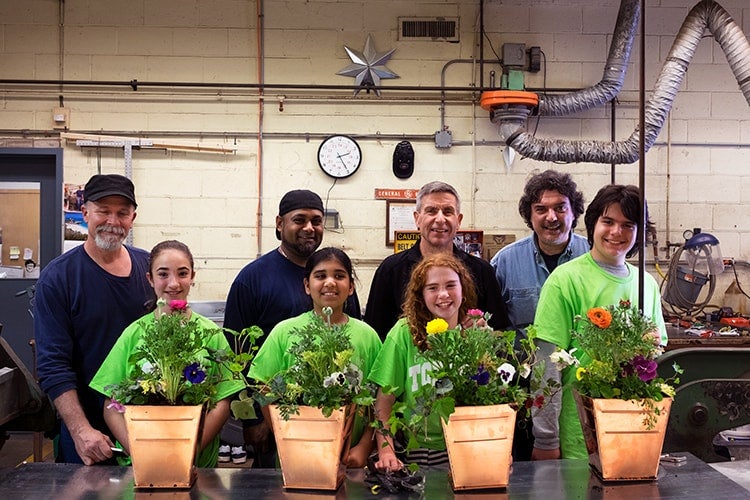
443 386
506 372
335 378
525 370
563 359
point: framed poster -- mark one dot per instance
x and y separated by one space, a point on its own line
399 216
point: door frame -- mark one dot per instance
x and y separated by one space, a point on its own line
45 166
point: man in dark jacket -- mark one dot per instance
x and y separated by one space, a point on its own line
438 218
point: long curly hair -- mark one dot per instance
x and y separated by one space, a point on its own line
415 309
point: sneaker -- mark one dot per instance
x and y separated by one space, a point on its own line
224 453
239 455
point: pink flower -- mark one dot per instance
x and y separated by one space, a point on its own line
116 405
475 313
178 305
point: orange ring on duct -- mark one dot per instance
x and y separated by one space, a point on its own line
495 98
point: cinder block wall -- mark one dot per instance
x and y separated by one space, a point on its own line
696 175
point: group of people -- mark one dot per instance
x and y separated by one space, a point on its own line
88 296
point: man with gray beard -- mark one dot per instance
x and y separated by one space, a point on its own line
84 300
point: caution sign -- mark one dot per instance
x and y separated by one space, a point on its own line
404 240
468 241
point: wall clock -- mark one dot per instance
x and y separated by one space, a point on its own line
339 156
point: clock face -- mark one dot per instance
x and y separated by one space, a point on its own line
339 156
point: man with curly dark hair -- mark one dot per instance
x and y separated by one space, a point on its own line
550 206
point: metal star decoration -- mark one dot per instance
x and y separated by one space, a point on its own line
368 67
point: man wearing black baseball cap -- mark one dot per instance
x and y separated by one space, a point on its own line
84 300
270 289
100 186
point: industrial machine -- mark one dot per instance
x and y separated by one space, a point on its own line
686 278
23 405
713 396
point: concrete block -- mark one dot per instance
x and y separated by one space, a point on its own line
179 13
16 66
121 68
145 41
713 189
30 39
720 131
91 40
204 42
556 19
228 14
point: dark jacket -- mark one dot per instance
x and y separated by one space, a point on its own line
389 284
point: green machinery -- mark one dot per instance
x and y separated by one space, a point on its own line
713 396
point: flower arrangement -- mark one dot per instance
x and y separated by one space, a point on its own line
472 366
173 364
618 348
323 374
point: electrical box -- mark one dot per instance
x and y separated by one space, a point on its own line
443 139
514 54
60 118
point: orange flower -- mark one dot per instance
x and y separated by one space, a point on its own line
599 317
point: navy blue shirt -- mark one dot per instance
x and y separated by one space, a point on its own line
271 289
79 312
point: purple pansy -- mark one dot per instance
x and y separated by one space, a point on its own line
643 367
482 376
194 374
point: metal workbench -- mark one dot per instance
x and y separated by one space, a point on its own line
570 479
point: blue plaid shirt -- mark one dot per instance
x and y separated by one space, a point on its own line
520 270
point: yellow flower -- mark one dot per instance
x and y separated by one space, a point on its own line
667 389
437 325
579 372
147 386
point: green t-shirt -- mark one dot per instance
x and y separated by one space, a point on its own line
115 368
572 289
274 357
401 365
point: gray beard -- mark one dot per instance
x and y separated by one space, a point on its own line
106 244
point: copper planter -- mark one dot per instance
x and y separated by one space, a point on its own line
480 441
311 447
621 447
163 441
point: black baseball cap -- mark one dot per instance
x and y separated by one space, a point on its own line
102 185
299 198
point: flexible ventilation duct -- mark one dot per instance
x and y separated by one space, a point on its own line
705 15
614 70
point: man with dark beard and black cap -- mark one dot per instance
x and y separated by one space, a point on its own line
270 289
84 300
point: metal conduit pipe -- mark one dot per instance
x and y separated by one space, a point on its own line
707 14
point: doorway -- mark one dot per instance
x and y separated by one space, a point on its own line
31 208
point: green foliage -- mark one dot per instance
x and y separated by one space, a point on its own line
472 366
616 358
323 374
173 365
